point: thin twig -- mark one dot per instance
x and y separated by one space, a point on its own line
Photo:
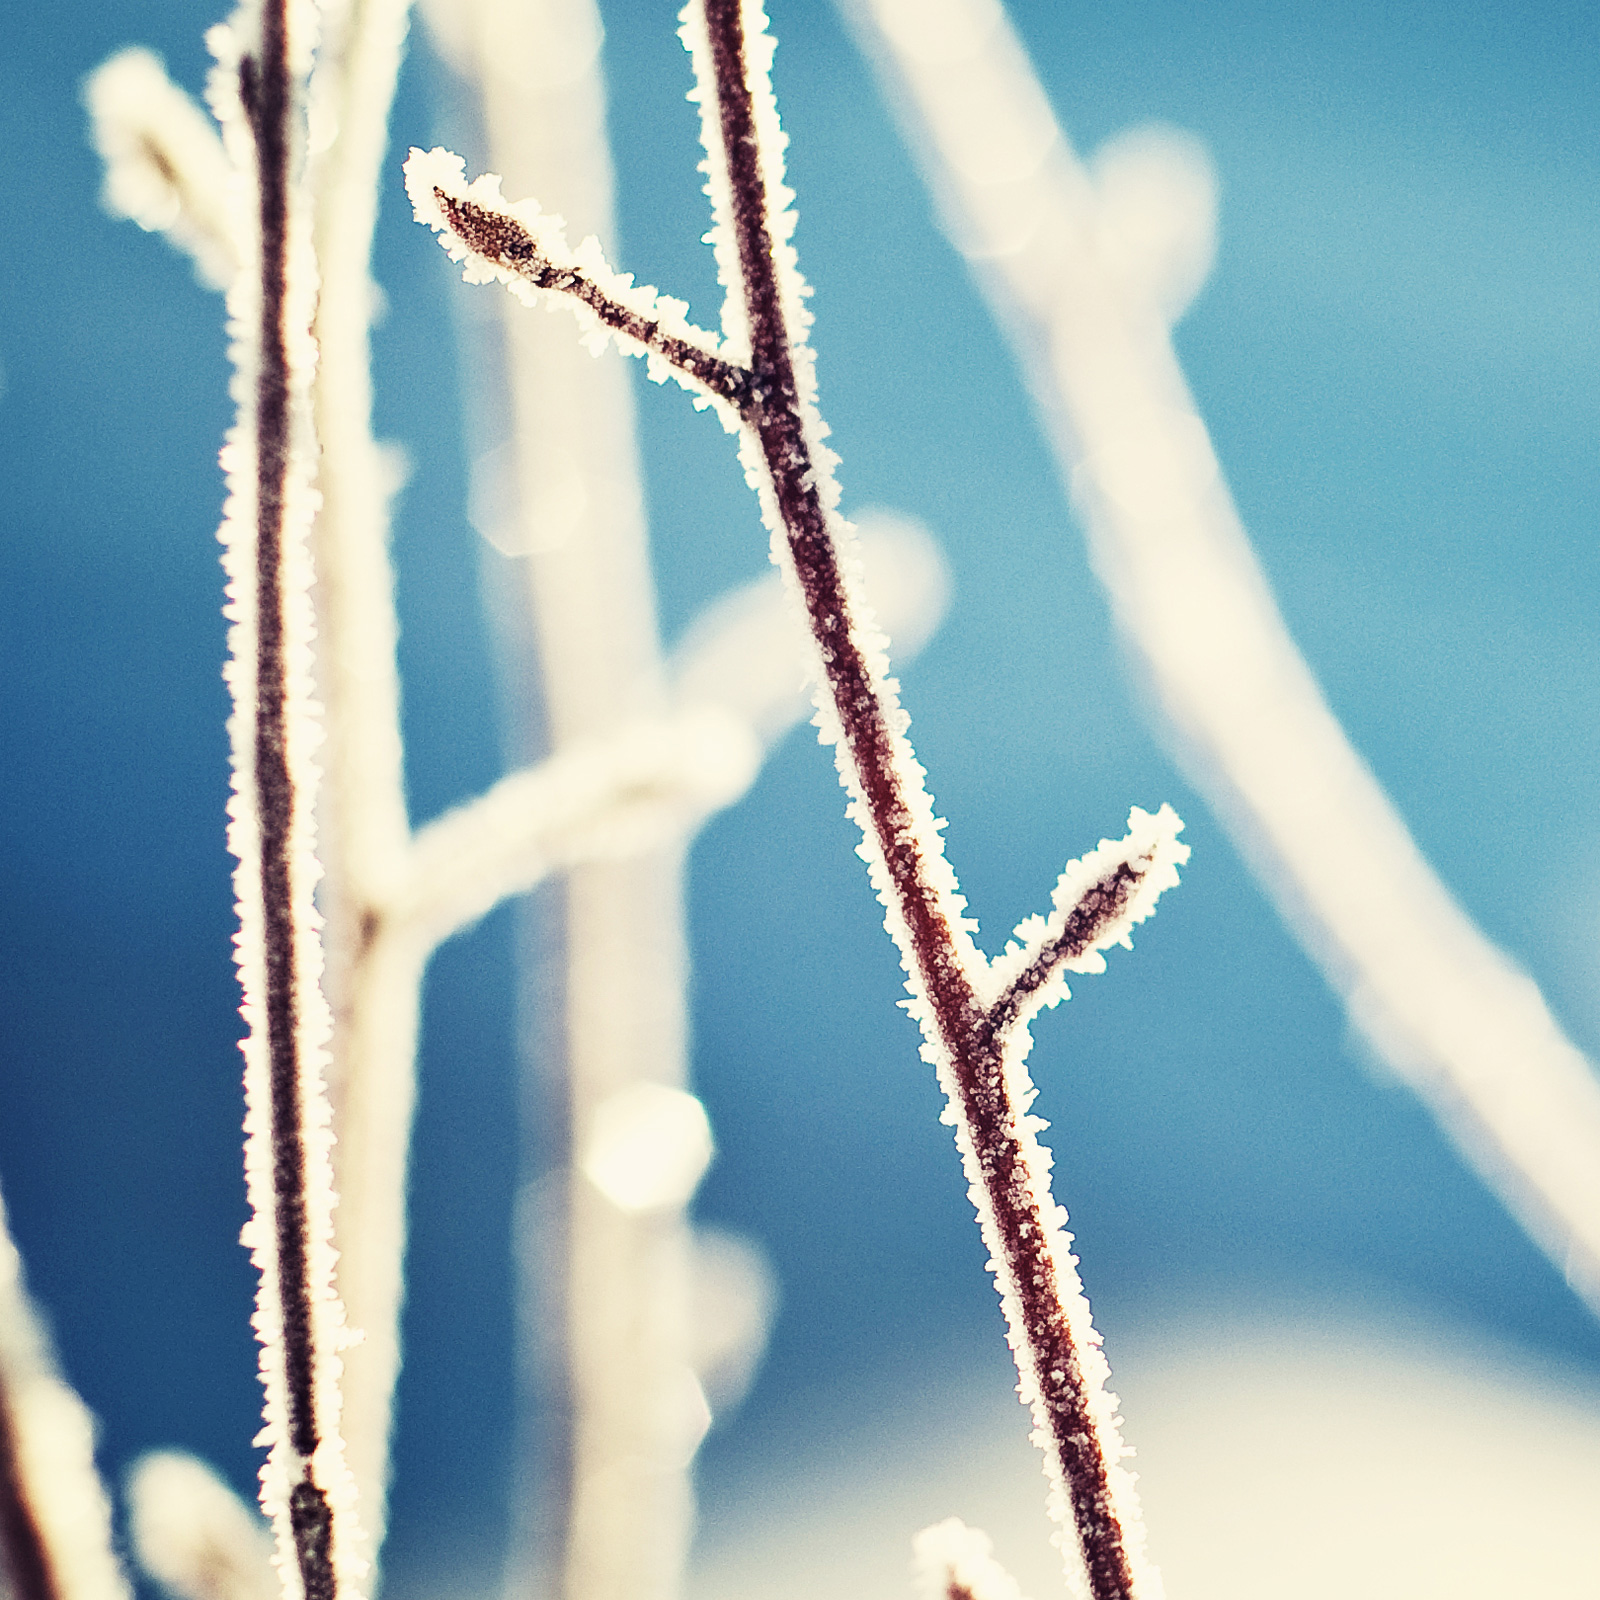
299 1318
501 239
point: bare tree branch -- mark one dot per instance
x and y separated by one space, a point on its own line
772 399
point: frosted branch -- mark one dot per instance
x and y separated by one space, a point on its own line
193 1534
955 1562
1062 1372
749 648
55 1519
521 247
257 93
1096 904
1450 1013
165 164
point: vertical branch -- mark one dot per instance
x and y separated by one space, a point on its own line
604 1296
274 727
372 980
1057 1350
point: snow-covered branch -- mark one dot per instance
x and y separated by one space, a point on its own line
520 246
955 1562
1097 902
1085 276
620 796
257 93
771 400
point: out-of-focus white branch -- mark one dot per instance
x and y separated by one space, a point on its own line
955 1562
617 796
165 164
194 1535
55 1519
1055 245
567 512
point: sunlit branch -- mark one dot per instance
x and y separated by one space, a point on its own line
638 789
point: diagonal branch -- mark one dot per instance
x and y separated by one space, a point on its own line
1448 1011
640 788
1097 902
166 167
528 251
55 1520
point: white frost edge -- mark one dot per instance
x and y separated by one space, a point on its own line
1096 1372
949 1553
428 170
228 43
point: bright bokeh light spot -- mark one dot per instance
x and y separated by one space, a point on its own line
648 1147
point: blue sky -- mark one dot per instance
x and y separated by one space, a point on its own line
1396 355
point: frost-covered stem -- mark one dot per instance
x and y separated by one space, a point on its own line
972 1013
1102 904
267 92
55 1520
869 721
274 725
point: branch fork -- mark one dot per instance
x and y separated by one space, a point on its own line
973 1013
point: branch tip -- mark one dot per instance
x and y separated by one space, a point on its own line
524 248
1096 904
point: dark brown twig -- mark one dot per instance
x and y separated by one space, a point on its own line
267 93
965 1030
502 239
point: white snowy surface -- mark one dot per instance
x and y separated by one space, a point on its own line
1318 1454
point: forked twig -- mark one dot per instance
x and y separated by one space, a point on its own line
972 1015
